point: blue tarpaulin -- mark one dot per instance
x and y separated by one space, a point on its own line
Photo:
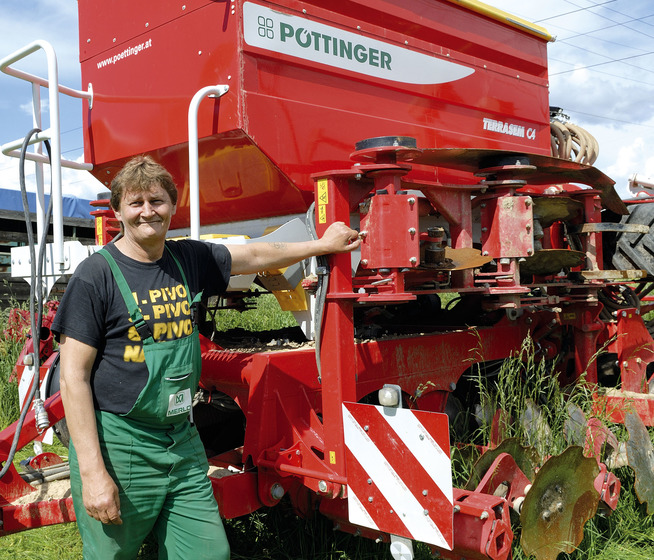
72 207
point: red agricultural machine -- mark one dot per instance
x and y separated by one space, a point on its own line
426 125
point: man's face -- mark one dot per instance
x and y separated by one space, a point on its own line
146 215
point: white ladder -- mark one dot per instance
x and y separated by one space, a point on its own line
53 134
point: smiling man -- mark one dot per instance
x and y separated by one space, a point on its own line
130 364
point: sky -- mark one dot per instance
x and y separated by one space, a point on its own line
601 73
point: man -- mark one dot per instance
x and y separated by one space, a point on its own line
130 363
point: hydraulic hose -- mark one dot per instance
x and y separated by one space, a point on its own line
36 293
572 142
321 289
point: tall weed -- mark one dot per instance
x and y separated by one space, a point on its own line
11 345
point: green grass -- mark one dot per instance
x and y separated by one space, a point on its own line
264 314
277 533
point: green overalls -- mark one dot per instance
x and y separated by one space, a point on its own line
155 456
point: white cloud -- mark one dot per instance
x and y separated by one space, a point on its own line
50 20
80 184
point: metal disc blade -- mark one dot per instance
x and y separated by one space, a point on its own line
558 505
550 209
542 170
551 261
466 258
575 425
535 426
639 457
527 459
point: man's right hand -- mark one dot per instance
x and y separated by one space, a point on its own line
100 495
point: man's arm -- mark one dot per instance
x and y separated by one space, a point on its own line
99 491
256 257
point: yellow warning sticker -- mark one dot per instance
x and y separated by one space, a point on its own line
323 200
332 457
98 230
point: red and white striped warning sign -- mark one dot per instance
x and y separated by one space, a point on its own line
399 477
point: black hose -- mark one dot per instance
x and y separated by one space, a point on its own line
36 281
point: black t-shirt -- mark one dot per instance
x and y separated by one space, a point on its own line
93 311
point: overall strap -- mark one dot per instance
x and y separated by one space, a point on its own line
181 270
134 311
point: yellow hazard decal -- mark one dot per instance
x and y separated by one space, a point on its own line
323 200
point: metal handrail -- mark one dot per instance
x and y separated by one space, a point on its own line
53 134
193 157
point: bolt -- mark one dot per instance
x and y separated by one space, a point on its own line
421 437
528 227
483 205
366 428
424 492
484 515
457 509
370 481
322 486
412 231
413 260
370 499
363 234
527 202
624 313
484 229
277 491
452 386
425 511
412 201
364 262
530 252
485 253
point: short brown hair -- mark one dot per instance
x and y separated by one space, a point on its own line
138 175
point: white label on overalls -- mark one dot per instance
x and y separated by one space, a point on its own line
179 403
